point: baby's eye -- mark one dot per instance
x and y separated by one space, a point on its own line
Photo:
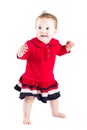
39 27
47 28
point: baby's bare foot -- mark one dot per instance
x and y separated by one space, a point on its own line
26 121
60 115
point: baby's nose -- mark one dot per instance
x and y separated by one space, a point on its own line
43 30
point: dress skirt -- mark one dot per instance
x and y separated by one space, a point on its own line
44 91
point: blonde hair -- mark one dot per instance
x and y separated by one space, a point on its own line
44 14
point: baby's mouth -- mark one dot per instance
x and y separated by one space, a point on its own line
43 35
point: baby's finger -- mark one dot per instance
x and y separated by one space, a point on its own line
26 46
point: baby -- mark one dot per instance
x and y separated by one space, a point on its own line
38 79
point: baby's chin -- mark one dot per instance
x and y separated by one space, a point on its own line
44 40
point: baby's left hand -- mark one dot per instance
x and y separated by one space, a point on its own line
69 45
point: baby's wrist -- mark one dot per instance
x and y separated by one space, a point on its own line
19 55
68 49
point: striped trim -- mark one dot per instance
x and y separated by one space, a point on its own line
39 96
32 87
45 94
18 86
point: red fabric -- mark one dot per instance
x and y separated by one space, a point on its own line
40 60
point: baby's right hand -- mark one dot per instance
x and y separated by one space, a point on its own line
22 50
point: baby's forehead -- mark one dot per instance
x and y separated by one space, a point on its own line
45 21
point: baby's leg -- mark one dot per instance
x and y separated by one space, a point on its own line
54 107
27 105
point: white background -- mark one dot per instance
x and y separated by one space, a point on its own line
17 24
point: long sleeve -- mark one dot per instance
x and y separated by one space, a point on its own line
24 57
27 54
61 49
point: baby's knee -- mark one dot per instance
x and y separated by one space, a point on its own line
29 98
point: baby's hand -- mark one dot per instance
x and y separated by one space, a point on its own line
69 45
22 50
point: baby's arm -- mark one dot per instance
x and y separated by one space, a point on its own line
69 45
22 50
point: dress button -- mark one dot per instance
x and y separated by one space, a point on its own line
48 50
48 55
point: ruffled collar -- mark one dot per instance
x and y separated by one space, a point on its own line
38 43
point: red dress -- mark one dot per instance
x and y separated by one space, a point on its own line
38 79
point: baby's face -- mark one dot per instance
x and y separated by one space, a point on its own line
45 29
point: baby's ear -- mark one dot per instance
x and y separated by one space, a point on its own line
55 31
